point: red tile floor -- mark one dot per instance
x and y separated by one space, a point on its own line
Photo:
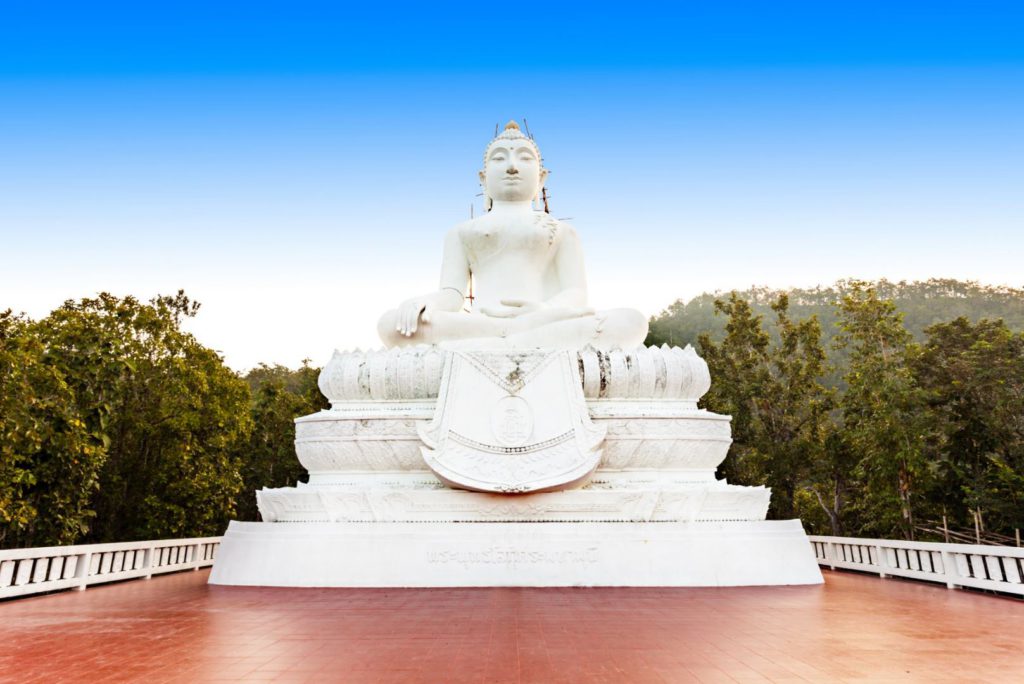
175 628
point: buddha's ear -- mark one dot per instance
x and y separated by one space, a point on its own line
483 184
540 184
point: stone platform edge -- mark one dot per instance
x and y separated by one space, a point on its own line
706 554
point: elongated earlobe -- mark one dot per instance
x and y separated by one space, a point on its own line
540 185
483 186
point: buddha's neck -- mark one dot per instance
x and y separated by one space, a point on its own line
502 207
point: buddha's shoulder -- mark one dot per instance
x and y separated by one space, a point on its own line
558 229
468 224
549 220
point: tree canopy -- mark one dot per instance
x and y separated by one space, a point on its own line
116 424
877 432
921 303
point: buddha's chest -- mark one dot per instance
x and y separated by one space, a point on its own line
533 238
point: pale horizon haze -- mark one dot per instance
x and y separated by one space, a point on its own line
295 171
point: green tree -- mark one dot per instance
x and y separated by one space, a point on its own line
794 416
884 414
974 374
779 407
171 412
832 482
279 395
49 460
739 374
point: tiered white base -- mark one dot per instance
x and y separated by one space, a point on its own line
405 422
704 554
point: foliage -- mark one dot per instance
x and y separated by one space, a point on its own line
974 377
169 409
884 421
279 395
910 432
49 458
779 407
922 303
739 368
116 424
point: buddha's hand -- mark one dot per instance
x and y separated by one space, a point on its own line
411 311
513 308
537 313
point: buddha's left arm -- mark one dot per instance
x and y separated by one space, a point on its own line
572 277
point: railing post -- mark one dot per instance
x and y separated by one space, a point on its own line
883 562
830 554
147 562
195 557
82 571
949 569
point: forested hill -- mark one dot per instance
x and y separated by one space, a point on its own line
921 303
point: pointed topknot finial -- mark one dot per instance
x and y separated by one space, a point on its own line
512 125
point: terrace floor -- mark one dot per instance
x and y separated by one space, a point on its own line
176 628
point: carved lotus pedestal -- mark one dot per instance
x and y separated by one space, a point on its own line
531 468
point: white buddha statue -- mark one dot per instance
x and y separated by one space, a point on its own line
527 267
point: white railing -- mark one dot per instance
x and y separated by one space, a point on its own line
51 568
998 568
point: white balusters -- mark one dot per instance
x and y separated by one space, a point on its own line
996 568
51 568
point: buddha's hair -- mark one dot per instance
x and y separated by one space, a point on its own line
512 132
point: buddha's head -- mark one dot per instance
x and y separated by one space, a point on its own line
512 167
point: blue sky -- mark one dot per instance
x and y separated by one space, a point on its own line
294 166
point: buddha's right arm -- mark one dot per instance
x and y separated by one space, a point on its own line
450 296
412 311
454 284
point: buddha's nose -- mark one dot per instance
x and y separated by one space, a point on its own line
512 170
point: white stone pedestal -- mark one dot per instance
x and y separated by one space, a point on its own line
705 554
612 463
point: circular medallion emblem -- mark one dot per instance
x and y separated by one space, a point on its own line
512 421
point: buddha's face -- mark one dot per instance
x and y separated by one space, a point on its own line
512 171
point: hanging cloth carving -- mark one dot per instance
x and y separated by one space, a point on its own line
511 422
